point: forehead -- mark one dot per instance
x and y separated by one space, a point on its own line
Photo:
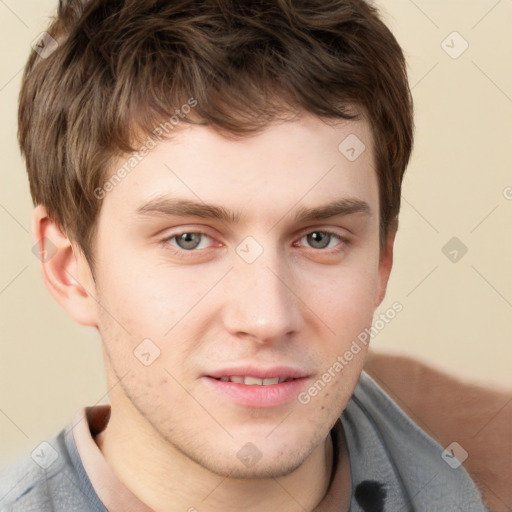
290 164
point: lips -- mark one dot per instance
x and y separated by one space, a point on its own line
257 387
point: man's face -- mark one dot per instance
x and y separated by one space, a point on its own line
269 289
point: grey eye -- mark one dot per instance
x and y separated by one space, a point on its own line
319 239
188 241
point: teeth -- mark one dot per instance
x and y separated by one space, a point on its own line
254 381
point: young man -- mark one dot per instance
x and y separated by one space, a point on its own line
217 186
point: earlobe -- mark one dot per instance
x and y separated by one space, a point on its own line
65 270
385 265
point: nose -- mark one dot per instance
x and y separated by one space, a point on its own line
261 301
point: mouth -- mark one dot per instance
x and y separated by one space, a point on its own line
257 388
254 381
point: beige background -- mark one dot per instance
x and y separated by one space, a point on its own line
456 315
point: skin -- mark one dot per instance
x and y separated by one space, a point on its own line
171 439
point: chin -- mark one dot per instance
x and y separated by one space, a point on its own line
264 468
260 457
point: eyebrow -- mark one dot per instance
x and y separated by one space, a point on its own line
340 207
164 205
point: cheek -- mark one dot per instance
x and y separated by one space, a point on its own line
139 306
134 314
344 298
354 306
147 298
141 302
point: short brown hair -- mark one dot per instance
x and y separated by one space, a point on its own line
123 66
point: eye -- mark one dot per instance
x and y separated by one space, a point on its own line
190 241
321 239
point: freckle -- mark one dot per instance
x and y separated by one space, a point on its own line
323 407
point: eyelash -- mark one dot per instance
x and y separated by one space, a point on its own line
343 242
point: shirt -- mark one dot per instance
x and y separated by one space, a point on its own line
395 466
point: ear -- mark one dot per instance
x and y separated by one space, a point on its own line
385 263
65 270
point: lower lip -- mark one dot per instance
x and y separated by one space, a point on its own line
272 395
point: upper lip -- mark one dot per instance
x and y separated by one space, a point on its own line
260 373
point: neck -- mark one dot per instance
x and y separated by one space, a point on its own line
166 480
